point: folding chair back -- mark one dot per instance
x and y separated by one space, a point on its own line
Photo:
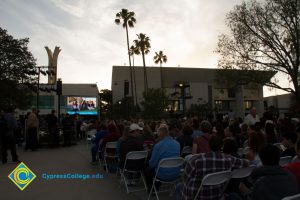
139 158
285 160
294 197
170 163
243 172
212 179
280 146
186 150
240 151
136 155
166 163
110 154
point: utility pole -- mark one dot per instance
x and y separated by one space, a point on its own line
59 93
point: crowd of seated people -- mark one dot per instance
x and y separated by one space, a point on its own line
220 145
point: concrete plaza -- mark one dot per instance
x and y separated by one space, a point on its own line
63 160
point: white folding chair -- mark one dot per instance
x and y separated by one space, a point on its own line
134 156
110 152
280 146
295 159
294 197
240 152
243 172
89 136
212 179
285 160
186 150
166 163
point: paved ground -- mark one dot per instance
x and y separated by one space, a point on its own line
74 159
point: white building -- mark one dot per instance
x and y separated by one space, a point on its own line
203 87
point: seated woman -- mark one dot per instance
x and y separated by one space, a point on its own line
256 141
101 133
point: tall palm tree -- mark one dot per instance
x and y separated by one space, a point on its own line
128 20
143 47
133 50
160 58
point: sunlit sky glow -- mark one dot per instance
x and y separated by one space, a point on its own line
186 30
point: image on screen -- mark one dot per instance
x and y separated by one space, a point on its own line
82 105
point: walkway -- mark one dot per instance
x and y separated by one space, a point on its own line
74 159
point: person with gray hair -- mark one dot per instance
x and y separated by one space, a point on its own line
252 117
166 147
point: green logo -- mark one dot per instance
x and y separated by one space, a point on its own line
22 176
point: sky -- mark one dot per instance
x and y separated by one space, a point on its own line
185 30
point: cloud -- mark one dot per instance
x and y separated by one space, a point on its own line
91 43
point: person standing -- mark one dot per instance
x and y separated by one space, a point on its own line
67 125
8 140
32 130
53 129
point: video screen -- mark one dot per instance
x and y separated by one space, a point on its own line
82 105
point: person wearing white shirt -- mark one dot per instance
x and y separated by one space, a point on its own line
252 117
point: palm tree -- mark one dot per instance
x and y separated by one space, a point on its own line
133 50
128 20
160 58
143 46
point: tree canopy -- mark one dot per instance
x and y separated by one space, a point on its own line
17 69
264 36
154 103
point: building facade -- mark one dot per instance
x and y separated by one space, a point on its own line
201 86
49 100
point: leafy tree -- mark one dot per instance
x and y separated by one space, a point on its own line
143 46
123 108
264 36
154 103
160 58
203 111
17 69
128 20
105 101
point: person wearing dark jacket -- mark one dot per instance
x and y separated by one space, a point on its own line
67 125
186 139
271 181
8 140
132 142
100 134
289 141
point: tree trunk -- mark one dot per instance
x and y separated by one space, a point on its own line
134 81
161 76
145 73
130 68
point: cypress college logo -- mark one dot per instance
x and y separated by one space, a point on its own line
22 176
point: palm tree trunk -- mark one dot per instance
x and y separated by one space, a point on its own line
161 77
145 73
134 81
130 68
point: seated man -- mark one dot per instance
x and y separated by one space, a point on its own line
132 142
289 140
271 181
205 163
167 147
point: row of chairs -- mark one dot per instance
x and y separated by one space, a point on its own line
210 179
